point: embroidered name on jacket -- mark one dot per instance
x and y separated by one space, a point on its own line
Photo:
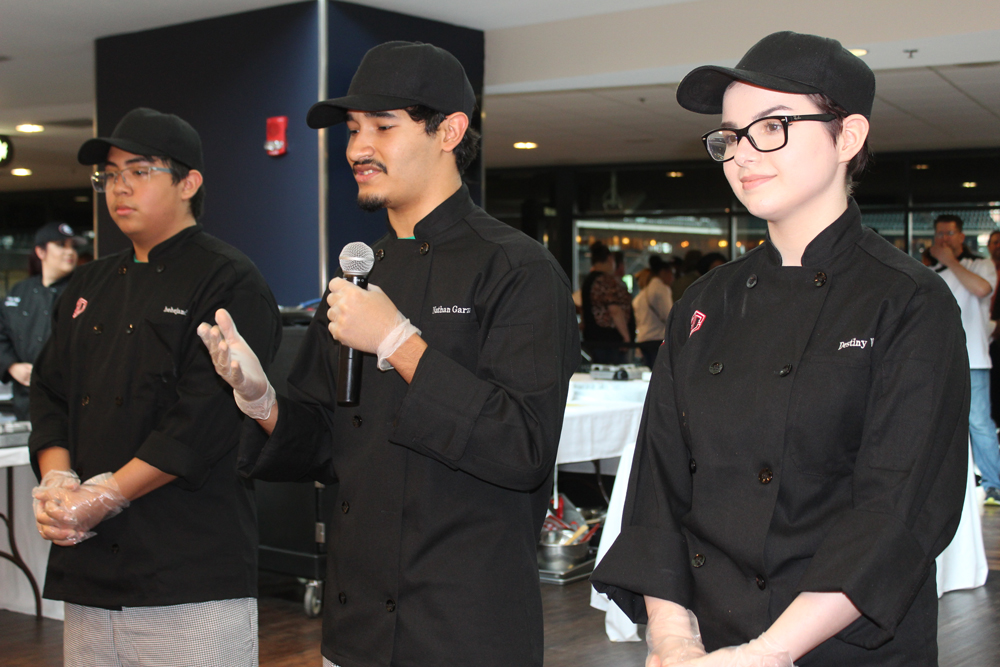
174 311
460 310
12 301
854 342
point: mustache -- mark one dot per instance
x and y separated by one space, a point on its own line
370 162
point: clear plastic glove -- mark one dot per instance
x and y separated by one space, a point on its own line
367 320
237 364
82 508
672 636
48 527
761 652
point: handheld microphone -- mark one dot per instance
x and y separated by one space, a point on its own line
356 261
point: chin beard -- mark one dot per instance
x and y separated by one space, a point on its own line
372 203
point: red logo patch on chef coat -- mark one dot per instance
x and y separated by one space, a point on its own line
81 305
696 321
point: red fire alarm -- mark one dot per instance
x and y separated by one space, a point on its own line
276 144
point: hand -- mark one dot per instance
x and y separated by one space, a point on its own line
21 372
943 253
69 513
237 364
48 527
761 652
672 634
366 320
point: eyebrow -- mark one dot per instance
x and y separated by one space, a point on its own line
763 114
130 161
373 114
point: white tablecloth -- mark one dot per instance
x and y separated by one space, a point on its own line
962 565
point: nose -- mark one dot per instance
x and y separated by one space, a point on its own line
119 185
745 152
359 148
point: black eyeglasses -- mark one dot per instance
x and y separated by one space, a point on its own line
765 134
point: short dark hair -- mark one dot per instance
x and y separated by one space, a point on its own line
465 152
949 217
860 161
994 233
178 172
599 253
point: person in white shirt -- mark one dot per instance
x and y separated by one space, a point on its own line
972 279
651 307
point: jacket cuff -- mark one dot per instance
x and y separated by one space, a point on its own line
876 562
174 458
645 561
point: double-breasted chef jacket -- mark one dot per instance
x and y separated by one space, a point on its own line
125 376
806 429
25 322
443 483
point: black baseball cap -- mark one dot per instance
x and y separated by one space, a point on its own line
788 62
57 232
396 75
148 132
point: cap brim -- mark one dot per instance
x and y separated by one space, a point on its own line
95 151
331 112
703 88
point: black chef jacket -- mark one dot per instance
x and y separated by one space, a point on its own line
25 323
806 430
443 482
125 375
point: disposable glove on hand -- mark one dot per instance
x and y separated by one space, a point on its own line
81 509
672 636
761 652
367 320
237 364
48 527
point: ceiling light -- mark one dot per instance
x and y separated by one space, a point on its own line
723 243
626 240
675 174
969 184
685 244
525 145
859 52
20 171
921 167
652 242
29 127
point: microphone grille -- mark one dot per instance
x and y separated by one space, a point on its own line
357 259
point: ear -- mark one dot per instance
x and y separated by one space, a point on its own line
190 184
852 136
40 251
453 128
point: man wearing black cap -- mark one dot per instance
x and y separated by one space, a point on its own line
125 396
445 465
26 316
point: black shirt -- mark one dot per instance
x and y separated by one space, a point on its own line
806 429
125 375
443 482
25 323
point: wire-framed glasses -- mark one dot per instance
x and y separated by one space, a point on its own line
130 176
765 134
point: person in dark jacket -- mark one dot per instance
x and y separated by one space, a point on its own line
802 457
26 316
444 466
155 555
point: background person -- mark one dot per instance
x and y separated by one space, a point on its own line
155 554
607 308
26 316
651 307
802 457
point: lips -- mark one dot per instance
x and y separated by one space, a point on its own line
366 171
753 181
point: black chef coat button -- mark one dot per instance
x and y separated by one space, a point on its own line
159 268
114 548
85 400
425 248
39 339
698 560
119 401
761 584
785 370
26 313
379 254
692 466
122 270
390 606
35 291
342 597
98 328
819 279
356 420
715 368
345 507
129 329
752 281
765 476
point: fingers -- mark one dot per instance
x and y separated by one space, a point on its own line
226 325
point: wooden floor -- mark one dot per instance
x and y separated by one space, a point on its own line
968 635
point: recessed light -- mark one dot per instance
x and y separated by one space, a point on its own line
921 167
20 171
723 243
859 52
652 242
626 241
969 184
685 244
675 174
28 128
525 145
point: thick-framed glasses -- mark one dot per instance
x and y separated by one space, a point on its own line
102 180
765 134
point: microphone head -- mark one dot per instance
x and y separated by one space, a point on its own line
357 259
